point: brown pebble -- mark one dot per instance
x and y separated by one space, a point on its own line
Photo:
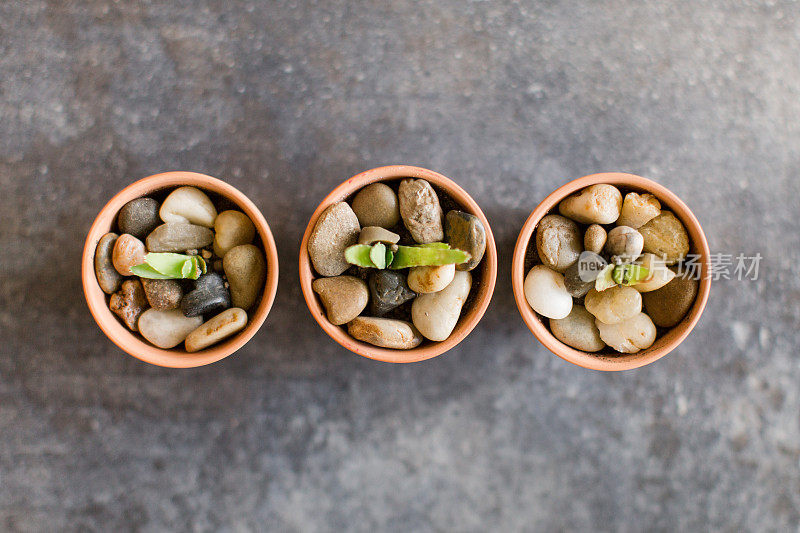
668 305
129 303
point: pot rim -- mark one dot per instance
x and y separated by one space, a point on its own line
664 344
131 342
466 322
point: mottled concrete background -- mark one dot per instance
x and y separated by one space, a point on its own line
285 100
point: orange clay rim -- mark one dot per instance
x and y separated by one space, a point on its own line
663 345
466 322
132 343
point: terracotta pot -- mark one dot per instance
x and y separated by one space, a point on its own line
665 343
133 343
469 316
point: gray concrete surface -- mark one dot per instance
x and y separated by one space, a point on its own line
286 99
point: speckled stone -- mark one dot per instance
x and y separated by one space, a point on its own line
139 217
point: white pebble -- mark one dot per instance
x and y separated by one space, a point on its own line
435 315
546 293
188 204
629 336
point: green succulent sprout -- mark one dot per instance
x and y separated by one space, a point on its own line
379 256
170 266
628 275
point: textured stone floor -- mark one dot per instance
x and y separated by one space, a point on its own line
285 100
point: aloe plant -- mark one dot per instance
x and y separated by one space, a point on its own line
170 266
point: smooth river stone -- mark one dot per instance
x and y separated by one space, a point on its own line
614 305
371 234
638 209
179 237
666 237
232 228
129 303
595 238
209 295
246 270
377 205
220 327
576 287
188 205
578 330
436 314
128 251
388 289
546 293
167 329
629 336
558 242
420 210
427 279
344 297
624 244
658 273
385 332
596 204
107 276
138 217
464 231
162 294
336 229
668 305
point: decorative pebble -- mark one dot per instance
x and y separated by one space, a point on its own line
576 287
178 237
558 242
659 274
388 289
129 303
427 279
668 305
464 231
629 336
220 327
128 251
167 329
596 204
344 297
595 238
377 205
436 314
614 305
372 234
546 294
624 244
138 217
666 237
578 330
246 270
188 205
162 294
385 332
107 276
336 229
232 228
420 210
638 209
209 295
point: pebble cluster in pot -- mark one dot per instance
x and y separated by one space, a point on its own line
388 305
641 289
168 310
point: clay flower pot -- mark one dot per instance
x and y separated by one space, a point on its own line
133 343
666 342
484 276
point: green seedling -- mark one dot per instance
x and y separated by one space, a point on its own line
630 274
379 256
435 254
170 266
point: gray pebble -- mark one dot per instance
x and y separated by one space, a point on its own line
178 237
139 217
576 287
558 241
210 295
162 294
107 276
388 289
465 231
376 205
